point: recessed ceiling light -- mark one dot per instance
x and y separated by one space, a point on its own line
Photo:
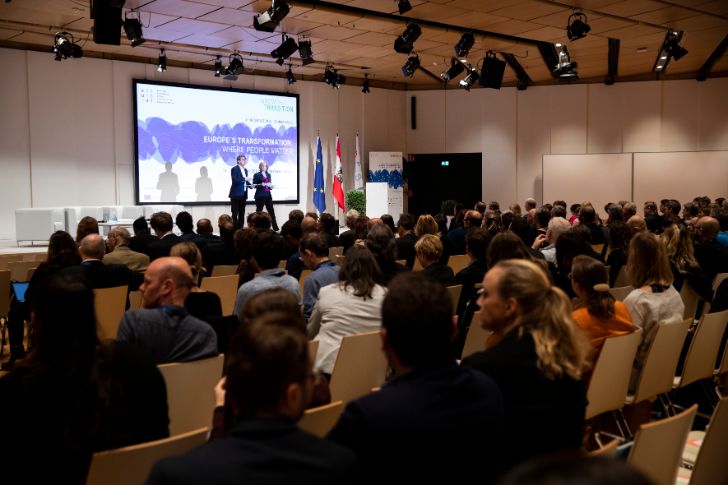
641 49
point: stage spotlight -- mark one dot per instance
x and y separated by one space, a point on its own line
409 68
332 78
673 47
218 67
456 68
404 44
285 50
466 42
491 74
133 29
162 61
577 28
365 86
565 69
269 20
468 81
64 46
404 6
304 50
289 75
235 67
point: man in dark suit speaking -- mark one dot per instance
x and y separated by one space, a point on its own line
238 191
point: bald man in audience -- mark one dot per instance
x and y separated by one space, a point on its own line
636 224
99 275
118 241
204 234
163 329
295 265
711 255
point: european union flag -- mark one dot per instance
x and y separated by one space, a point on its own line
319 194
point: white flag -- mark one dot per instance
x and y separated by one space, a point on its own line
358 179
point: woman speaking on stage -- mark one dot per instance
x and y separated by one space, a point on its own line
263 186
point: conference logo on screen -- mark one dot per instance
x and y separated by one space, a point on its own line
277 105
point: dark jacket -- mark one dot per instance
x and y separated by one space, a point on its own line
441 273
239 188
100 275
161 247
406 248
258 179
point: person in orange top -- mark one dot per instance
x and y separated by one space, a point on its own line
598 314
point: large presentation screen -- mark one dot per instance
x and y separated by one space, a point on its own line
188 138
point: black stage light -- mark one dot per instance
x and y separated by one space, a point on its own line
218 67
162 61
235 67
289 75
456 68
409 68
133 29
365 86
269 20
304 50
577 28
673 47
285 50
468 81
565 68
332 78
466 42
404 44
404 6
64 46
491 75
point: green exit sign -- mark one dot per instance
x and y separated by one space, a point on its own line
445 163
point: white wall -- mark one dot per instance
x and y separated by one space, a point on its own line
514 129
66 134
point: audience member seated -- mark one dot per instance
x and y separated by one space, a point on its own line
599 314
574 213
546 243
476 247
87 225
328 227
433 418
712 256
587 218
456 238
199 303
721 216
380 242
680 252
654 300
348 237
296 215
569 245
429 251
243 241
95 272
506 245
142 237
619 237
72 395
292 234
407 239
295 265
259 221
351 306
204 234
164 329
222 252
653 220
62 253
269 386
315 255
536 356
636 224
184 224
267 249
118 242
161 223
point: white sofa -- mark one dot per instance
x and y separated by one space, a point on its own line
75 214
37 224
172 209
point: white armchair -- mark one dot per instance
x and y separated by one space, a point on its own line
75 214
38 224
172 209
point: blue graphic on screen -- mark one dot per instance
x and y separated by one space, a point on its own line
394 178
188 139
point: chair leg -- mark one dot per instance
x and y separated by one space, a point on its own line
3 327
619 416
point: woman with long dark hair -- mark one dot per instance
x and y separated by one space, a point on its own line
353 305
72 395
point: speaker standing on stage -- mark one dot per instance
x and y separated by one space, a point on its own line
239 191
262 183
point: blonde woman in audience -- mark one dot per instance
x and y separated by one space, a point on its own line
428 250
654 301
426 224
680 252
599 314
536 356
351 306
200 303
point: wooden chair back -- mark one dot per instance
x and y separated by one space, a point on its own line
710 466
109 305
19 269
335 251
340 259
4 292
620 293
417 266
690 300
135 300
610 379
360 365
403 262
190 392
319 421
454 292
476 338
6 259
658 446
302 279
703 351
226 287
131 465
224 270
658 370
313 346
608 451
622 278
282 264
458 261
